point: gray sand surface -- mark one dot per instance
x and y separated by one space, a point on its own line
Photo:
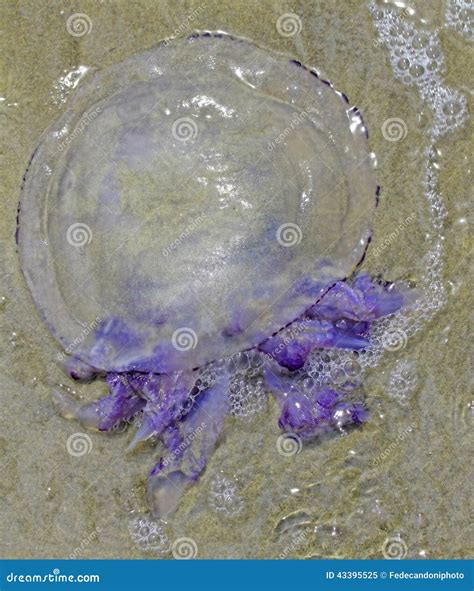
341 498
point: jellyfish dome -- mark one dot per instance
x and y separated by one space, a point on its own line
191 202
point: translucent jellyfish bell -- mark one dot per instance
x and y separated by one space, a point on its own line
191 202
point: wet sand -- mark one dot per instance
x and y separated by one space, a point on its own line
403 475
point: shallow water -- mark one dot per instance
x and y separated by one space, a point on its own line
400 484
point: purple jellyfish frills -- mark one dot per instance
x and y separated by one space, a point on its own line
201 201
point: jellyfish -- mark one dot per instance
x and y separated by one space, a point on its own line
204 199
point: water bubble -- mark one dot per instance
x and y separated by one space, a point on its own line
225 496
417 70
148 535
403 64
451 108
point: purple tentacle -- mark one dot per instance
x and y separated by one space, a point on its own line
168 398
366 300
188 446
341 320
291 346
78 370
121 404
311 415
189 423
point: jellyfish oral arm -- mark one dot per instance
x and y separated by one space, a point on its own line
188 446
